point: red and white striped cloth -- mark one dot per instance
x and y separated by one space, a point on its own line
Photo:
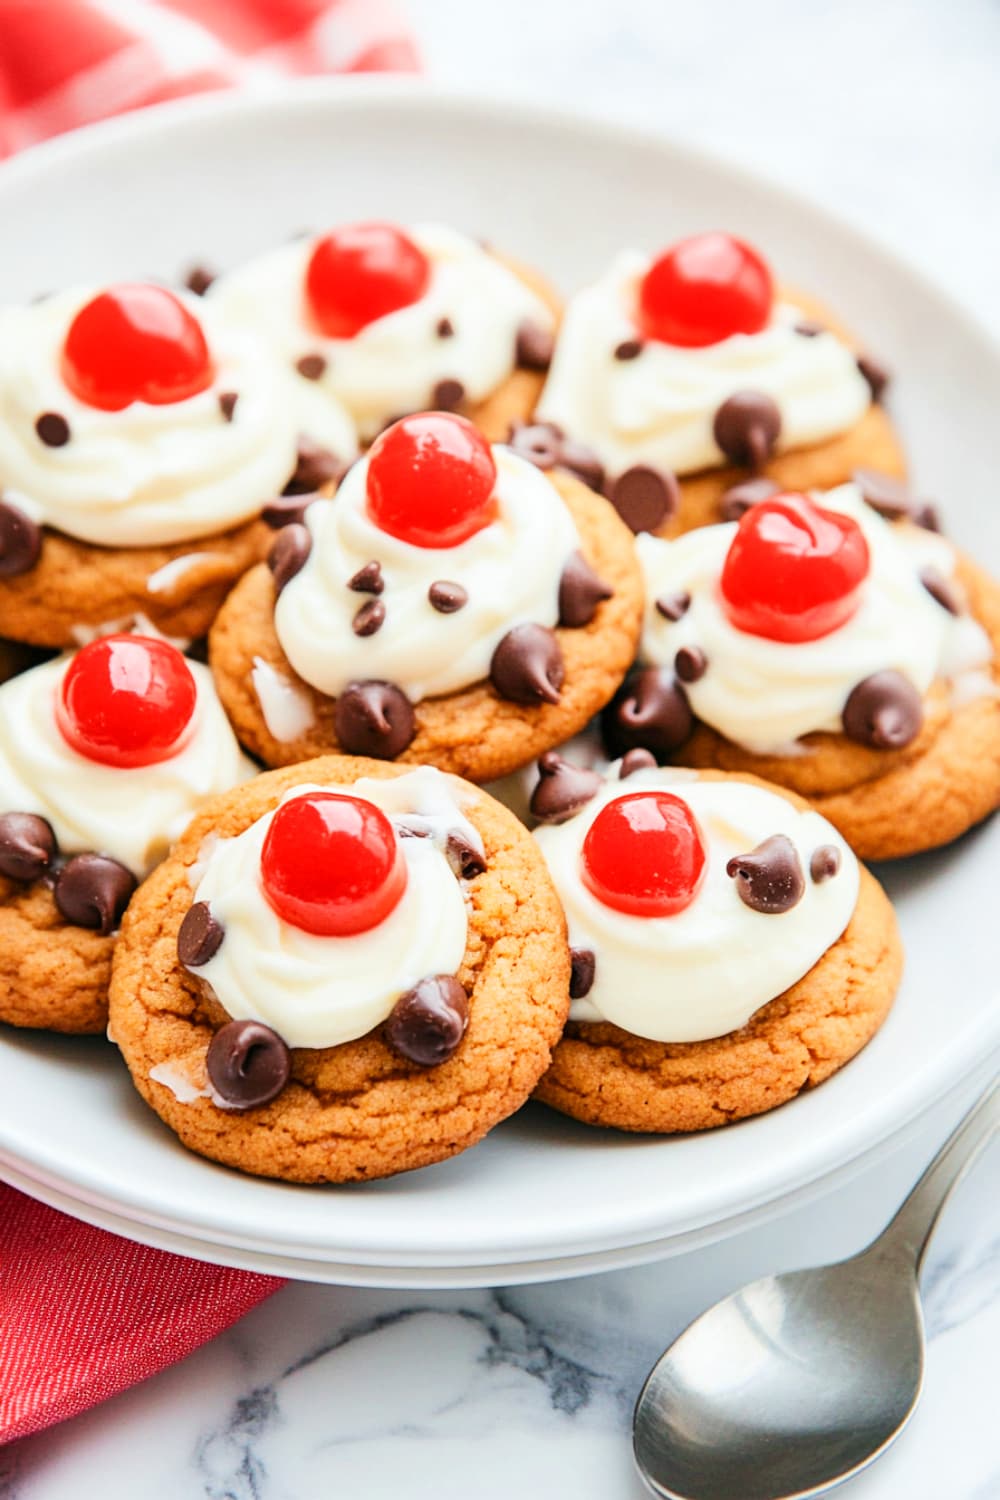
84 1314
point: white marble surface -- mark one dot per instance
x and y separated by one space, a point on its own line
885 110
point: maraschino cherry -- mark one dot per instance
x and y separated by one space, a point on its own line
361 272
794 571
331 864
135 343
126 700
644 854
704 289
431 479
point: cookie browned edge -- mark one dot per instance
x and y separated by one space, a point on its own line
54 976
355 1111
473 733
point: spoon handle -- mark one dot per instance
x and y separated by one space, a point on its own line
909 1232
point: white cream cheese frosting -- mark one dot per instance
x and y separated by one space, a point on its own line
703 972
510 569
658 408
131 813
151 475
766 694
393 364
317 991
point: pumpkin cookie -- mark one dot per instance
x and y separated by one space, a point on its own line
728 949
104 756
450 606
141 434
687 373
344 970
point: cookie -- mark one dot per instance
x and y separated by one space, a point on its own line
445 1010
473 655
104 757
728 949
862 674
685 374
392 320
141 436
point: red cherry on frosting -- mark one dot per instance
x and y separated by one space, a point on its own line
361 272
644 854
126 700
135 343
431 479
704 289
331 864
794 571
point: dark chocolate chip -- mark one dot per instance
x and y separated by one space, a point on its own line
562 788
227 404
92 890
374 718
644 497
198 280
892 500
248 1064
650 711
884 711
628 349
636 760
582 967
824 864
429 1021
447 597
368 580
284 510
200 936
20 541
465 859
538 442
941 590
315 467
746 428
27 846
445 328
369 618
876 374
739 498
808 328
527 666
289 553
311 366
769 879
535 346
447 395
53 429
673 606
583 462
580 592
690 663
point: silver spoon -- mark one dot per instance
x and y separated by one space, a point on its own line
793 1384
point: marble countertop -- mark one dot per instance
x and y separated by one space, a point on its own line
886 111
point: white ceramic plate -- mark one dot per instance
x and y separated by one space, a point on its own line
217 179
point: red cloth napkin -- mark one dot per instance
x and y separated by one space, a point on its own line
84 1314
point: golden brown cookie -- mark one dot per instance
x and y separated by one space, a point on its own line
53 975
516 398
355 1111
473 733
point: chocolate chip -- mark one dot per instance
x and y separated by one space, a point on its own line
580 592
20 541
374 718
673 606
198 280
583 462
538 442
892 500
884 711
27 846
644 497
808 329
769 879
582 967
463 856
311 366
53 429
628 349
447 395
746 428
369 618
562 789
429 1021
447 597
636 760
289 553
200 936
824 864
535 346
368 580
739 498
941 590
315 467
876 374
248 1064
284 510
92 890
690 663
650 711
527 666
445 328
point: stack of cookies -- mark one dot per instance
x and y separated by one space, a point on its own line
419 696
